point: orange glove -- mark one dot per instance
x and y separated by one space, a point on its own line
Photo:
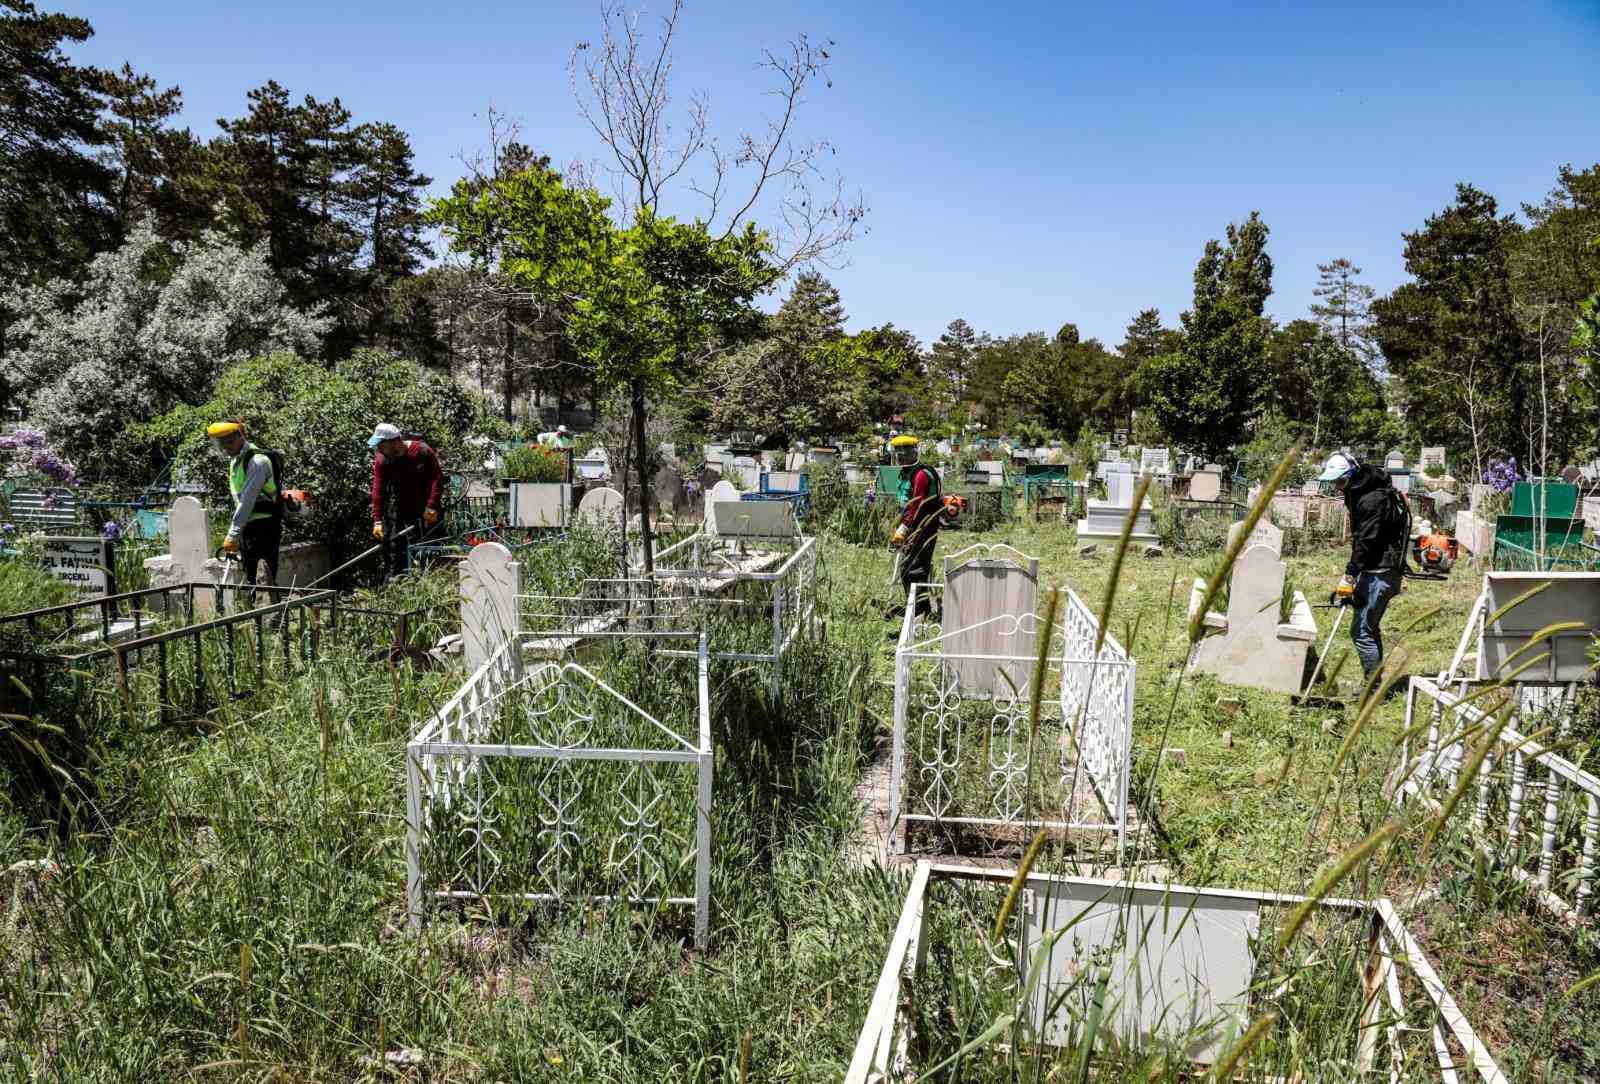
430 517
230 545
377 531
900 535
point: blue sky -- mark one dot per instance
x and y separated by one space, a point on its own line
1025 164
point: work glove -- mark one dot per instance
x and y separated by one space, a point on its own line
1346 589
377 531
230 544
900 536
429 518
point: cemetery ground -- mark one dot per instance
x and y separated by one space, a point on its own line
230 900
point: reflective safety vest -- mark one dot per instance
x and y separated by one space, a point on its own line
267 501
908 478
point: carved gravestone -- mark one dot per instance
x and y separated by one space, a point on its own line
1254 647
601 508
490 583
989 601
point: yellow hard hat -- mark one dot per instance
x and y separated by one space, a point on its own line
218 430
904 440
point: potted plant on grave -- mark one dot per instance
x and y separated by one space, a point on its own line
541 492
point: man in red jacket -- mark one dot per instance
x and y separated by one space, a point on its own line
921 509
406 485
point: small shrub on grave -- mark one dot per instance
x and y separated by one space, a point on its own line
533 463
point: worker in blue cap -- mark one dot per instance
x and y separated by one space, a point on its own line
1379 524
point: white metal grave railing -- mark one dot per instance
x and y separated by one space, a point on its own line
752 598
1532 809
1410 1028
540 781
963 753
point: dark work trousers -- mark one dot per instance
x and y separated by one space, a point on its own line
916 564
258 544
1373 592
397 550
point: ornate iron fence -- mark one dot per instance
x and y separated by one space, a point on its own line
550 782
1184 966
963 750
751 598
1533 811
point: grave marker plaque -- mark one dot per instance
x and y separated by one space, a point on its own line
83 562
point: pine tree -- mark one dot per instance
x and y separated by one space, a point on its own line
160 172
1345 311
53 193
812 313
385 191
951 360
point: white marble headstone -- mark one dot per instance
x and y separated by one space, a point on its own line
600 507
722 491
490 583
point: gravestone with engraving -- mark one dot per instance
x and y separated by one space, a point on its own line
1251 645
86 563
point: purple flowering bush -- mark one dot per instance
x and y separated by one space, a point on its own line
1502 474
32 455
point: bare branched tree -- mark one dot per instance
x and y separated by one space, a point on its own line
622 84
623 87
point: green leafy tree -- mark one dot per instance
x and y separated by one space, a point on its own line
896 376
646 304
1046 385
805 377
650 298
320 418
1451 336
1323 390
1554 265
1208 391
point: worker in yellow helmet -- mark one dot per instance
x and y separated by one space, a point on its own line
921 505
255 532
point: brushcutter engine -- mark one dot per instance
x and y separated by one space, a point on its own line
1435 552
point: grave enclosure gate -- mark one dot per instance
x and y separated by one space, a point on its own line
963 751
545 782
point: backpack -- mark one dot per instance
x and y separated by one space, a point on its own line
1397 531
275 457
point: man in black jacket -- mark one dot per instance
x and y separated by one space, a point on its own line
1377 550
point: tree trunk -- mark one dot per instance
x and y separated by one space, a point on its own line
642 459
510 368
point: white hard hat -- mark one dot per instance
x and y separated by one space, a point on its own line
1337 467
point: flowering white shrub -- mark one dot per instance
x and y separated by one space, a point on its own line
151 326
